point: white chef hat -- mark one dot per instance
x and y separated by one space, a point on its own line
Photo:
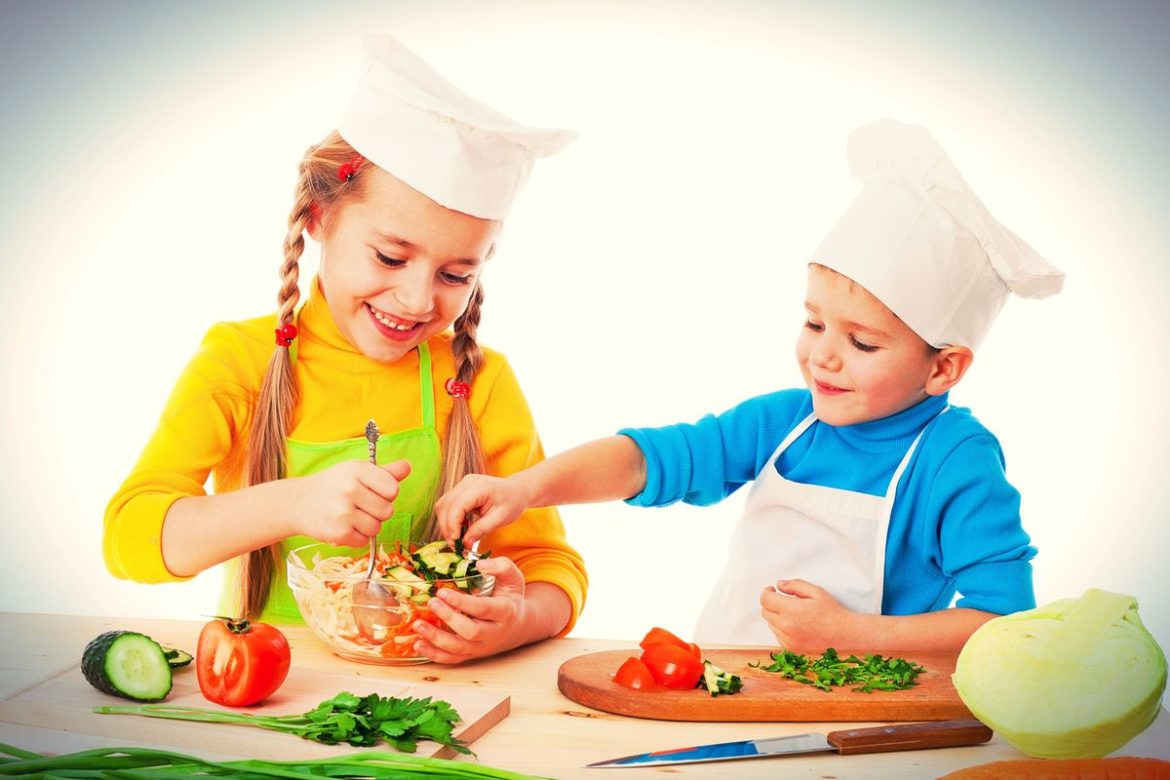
413 123
920 241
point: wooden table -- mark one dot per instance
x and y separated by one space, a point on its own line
545 734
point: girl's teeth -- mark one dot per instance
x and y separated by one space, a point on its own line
386 321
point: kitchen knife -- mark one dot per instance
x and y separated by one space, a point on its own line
876 739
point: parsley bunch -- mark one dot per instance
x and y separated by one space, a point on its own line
872 674
355 720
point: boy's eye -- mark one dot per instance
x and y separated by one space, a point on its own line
862 345
814 326
390 262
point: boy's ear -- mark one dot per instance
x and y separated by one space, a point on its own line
948 367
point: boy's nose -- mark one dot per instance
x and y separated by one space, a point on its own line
824 355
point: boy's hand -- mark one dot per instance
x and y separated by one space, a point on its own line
347 503
804 616
497 502
482 625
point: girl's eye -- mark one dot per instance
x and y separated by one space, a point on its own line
862 345
455 278
816 327
390 262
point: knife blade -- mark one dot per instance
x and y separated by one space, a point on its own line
875 739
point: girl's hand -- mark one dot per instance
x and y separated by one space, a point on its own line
347 503
804 616
497 502
482 625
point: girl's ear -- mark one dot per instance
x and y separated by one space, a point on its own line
314 226
947 368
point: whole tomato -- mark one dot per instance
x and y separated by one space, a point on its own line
240 663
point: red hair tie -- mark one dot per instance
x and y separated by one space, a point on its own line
285 334
458 389
347 170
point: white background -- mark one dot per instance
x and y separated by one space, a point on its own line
652 272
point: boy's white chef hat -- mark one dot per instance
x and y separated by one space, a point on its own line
920 241
415 124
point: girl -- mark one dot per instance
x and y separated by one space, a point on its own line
873 502
406 200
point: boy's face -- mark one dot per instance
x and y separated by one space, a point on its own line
858 359
398 268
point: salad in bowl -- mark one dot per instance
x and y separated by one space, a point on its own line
323 584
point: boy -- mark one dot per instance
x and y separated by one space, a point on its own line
873 502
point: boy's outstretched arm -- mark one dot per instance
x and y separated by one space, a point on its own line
602 470
804 617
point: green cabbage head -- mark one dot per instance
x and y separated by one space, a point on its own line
1077 678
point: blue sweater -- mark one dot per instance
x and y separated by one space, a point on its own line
956 520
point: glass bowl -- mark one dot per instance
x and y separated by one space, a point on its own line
322 582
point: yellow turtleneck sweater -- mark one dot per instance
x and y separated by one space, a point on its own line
205 424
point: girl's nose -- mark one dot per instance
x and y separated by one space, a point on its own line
415 292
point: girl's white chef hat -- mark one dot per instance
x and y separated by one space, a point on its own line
920 241
415 124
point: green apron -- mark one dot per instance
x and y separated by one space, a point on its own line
412 507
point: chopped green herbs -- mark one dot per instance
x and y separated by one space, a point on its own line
355 720
875 673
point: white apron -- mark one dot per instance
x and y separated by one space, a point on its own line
830 537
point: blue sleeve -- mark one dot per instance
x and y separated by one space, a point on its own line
704 462
982 542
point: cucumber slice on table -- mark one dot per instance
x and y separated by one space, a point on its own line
127 664
177 658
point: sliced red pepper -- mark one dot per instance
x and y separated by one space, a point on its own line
634 673
673 666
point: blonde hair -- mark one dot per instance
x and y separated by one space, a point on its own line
319 189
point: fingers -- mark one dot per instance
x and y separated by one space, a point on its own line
801 589
443 647
494 518
479 625
467 638
503 569
448 518
783 597
452 507
399 469
380 480
378 487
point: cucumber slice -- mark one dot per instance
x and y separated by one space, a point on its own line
127 664
177 658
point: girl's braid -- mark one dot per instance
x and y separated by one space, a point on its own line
462 451
275 402
468 355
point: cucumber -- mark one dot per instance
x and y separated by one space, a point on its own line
718 681
127 664
177 658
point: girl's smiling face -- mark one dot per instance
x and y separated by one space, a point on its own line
859 360
396 267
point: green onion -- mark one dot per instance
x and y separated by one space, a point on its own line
135 763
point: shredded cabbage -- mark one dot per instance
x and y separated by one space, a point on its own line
1077 678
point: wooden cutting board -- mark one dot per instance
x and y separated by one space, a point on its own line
766 696
65 700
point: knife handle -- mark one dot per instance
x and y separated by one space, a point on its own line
909 736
